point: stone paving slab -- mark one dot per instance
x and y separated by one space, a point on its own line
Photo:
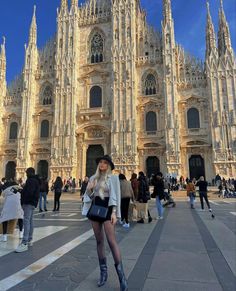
186 261
183 266
171 285
224 238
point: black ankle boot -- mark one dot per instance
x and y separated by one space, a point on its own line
122 279
103 272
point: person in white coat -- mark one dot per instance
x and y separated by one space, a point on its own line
11 209
104 189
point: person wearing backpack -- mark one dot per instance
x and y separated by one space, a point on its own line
29 201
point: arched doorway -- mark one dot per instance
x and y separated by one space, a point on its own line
42 169
196 167
93 152
152 166
10 172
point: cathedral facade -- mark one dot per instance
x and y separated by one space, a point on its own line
109 83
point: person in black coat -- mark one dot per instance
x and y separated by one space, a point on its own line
158 193
44 188
84 186
143 194
29 201
202 184
57 193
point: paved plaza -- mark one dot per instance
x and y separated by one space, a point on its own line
187 250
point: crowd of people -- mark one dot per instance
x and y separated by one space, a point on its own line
107 199
226 187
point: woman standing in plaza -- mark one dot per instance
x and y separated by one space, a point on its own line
143 197
57 193
126 194
11 208
104 189
158 193
191 193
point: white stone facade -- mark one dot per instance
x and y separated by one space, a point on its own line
108 82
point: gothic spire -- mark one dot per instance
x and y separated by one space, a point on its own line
73 5
33 29
210 33
3 67
3 50
167 11
224 41
64 6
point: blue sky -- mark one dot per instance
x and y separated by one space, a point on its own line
189 17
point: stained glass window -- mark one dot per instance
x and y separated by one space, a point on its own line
193 118
151 121
150 85
97 49
95 97
47 96
13 131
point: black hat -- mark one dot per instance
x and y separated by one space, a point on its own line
106 158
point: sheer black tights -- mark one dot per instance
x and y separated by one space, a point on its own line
109 229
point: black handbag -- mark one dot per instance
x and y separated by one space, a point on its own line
97 212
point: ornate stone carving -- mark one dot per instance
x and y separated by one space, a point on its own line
95 133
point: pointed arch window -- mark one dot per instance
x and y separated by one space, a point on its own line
13 131
97 46
151 121
44 132
193 118
150 85
95 97
47 96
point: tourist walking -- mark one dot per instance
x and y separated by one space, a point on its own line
58 184
158 193
143 197
126 194
11 208
134 184
191 193
44 188
84 186
202 184
73 185
29 201
104 189
2 183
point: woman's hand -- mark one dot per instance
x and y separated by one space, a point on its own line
113 218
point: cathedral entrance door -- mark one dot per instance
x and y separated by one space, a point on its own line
152 166
93 152
10 172
42 169
196 167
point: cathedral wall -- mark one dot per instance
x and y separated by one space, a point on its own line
175 141
93 125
